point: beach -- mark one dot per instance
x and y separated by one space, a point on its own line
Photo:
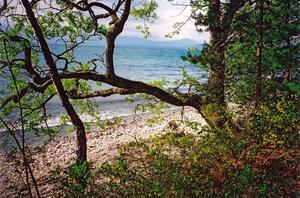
102 146
137 63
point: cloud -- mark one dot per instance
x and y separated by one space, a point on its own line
168 16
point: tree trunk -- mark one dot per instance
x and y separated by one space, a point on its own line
259 53
76 121
216 80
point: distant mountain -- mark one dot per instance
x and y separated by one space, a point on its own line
142 42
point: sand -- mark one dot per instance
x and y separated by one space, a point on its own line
102 147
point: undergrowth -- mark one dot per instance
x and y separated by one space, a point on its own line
259 161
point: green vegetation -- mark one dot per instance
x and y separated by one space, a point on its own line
250 101
217 165
207 164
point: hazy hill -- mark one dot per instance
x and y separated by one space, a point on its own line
136 41
142 42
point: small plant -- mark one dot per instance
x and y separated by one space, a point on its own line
75 181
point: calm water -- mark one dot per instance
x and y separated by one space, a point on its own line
136 63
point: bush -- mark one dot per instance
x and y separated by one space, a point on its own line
277 125
75 181
222 164
260 160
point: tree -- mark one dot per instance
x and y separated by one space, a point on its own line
259 51
54 75
30 34
277 74
75 22
217 16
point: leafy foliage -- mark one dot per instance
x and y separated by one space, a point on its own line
146 12
220 163
75 181
276 126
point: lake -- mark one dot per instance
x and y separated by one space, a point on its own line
135 63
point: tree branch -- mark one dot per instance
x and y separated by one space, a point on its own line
88 6
101 93
4 6
131 86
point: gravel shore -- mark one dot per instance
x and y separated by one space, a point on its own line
102 147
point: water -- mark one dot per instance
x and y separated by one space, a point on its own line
141 63
135 63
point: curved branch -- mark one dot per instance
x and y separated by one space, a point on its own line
37 88
15 97
101 93
88 6
131 86
4 6
111 36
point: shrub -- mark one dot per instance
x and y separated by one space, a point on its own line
75 181
277 125
221 164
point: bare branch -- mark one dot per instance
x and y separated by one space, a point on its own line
4 6
101 93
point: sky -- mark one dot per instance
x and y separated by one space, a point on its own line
168 16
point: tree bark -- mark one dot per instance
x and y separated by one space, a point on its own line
76 121
217 71
258 91
216 80
219 21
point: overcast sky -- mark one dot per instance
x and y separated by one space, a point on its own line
168 16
